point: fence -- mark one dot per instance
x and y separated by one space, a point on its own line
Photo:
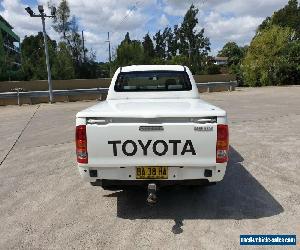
42 85
34 97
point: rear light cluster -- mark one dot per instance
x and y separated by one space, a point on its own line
222 143
81 144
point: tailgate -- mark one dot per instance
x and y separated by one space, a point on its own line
142 144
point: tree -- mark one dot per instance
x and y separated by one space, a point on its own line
75 46
33 59
173 41
160 45
170 41
193 43
183 44
129 52
273 55
33 56
288 16
233 52
269 59
67 27
63 67
235 55
288 70
127 38
61 22
148 47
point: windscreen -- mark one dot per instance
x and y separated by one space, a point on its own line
153 81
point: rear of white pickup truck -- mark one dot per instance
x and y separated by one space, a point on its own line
153 128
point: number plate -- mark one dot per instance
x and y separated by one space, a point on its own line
152 172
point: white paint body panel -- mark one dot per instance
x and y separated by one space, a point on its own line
152 108
158 106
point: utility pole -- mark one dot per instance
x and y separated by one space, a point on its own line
47 60
109 53
43 16
83 48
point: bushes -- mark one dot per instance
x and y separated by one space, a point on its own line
272 58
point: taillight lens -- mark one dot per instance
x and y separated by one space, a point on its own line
81 144
222 143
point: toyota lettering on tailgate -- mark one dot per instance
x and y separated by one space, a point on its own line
158 147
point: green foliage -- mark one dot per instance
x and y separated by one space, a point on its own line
148 47
181 45
289 67
63 67
233 52
289 16
67 27
272 58
193 43
103 70
160 45
212 68
130 52
273 55
61 22
33 59
33 56
179 60
235 55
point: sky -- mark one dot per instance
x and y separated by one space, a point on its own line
223 20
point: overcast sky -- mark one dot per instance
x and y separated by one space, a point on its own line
223 20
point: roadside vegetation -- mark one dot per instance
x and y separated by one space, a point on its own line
272 58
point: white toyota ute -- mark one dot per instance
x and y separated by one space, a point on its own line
152 130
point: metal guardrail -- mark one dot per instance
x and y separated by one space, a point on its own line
229 85
32 94
18 93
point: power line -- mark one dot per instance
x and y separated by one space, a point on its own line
129 12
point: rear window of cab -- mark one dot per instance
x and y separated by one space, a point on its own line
152 81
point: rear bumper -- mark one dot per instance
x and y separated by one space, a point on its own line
212 174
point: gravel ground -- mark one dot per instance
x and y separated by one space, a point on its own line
45 205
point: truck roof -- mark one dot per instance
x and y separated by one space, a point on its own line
152 67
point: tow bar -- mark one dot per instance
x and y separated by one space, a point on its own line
152 198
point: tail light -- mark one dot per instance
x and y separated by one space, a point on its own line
222 143
81 144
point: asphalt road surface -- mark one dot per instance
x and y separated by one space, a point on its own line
45 205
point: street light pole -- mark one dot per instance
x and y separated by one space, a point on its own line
43 16
47 59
